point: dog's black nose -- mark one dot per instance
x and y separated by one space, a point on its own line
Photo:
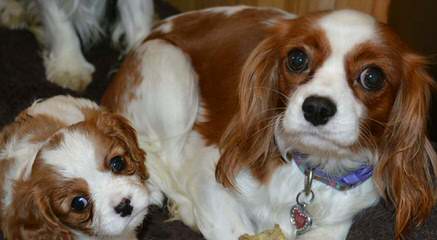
124 208
318 110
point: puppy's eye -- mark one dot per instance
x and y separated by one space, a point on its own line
372 78
79 203
117 164
297 60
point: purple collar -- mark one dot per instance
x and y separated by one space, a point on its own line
342 183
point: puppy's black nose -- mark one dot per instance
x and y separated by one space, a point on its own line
124 208
318 110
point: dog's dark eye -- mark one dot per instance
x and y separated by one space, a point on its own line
372 78
79 203
117 164
297 60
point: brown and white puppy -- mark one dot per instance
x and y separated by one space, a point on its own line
70 170
221 94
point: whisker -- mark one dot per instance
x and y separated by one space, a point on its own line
271 124
273 90
271 110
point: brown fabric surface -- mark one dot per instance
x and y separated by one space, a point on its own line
22 81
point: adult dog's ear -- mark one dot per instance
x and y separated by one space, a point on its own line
248 141
408 162
30 215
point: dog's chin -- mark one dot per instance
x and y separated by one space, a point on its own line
296 136
318 145
324 153
313 144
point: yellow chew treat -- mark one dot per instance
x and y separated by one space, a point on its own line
274 234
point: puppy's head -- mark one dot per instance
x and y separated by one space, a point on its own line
337 86
88 179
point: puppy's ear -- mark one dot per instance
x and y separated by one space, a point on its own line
248 141
31 217
408 162
119 127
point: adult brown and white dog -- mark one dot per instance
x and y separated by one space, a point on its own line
64 27
69 170
245 107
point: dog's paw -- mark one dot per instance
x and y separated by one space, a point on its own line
12 14
69 72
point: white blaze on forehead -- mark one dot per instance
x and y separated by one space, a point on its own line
347 28
344 30
74 157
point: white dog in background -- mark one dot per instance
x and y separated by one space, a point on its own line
65 26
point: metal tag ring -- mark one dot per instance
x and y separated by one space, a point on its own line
304 203
308 181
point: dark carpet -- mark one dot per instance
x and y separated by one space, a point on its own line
22 81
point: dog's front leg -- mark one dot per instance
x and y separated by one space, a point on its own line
217 213
63 59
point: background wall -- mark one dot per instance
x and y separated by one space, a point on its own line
416 21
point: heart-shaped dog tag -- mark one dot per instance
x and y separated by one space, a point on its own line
300 218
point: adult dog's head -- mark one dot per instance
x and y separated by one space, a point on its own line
346 90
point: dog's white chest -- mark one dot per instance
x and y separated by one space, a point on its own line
271 204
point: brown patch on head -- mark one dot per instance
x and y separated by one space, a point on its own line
303 35
42 206
379 102
61 199
114 136
38 128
